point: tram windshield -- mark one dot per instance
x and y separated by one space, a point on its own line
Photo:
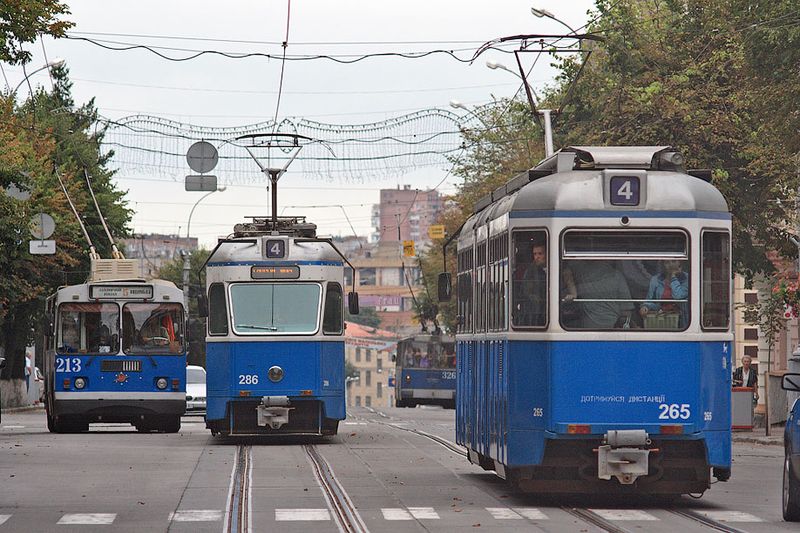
90 328
275 308
624 280
426 354
149 328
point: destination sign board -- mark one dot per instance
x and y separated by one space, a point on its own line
275 272
120 292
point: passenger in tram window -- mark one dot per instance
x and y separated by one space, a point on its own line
532 306
609 304
672 283
425 361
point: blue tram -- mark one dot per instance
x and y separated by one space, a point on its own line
275 339
425 370
594 339
115 352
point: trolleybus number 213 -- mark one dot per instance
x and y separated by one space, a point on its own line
68 364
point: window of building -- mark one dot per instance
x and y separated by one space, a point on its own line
379 363
368 378
379 392
358 401
368 357
751 350
358 355
751 334
368 401
751 298
366 276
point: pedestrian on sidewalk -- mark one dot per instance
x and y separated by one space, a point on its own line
746 376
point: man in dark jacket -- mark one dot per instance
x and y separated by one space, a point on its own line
746 376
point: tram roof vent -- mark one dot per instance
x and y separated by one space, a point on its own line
114 269
293 226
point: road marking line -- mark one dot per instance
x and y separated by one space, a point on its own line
285 515
623 514
423 513
395 513
4 518
354 423
12 427
730 516
87 519
200 515
503 513
531 513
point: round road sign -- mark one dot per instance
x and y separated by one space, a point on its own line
42 226
202 157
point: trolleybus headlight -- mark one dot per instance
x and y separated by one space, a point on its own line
162 383
80 383
275 374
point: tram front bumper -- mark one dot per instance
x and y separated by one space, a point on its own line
623 455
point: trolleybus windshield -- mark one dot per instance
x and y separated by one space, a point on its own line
422 354
152 328
275 308
91 328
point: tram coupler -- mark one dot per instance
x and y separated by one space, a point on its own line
623 455
273 411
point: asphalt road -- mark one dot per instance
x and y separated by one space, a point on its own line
387 470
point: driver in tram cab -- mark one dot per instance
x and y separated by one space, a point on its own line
532 307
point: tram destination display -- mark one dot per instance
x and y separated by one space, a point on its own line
120 292
275 272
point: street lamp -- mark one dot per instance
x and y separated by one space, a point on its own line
455 104
53 63
539 13
189 223
548 127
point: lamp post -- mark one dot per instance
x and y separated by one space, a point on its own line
186 256
56 62
545 113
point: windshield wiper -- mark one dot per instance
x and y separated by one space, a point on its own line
252 326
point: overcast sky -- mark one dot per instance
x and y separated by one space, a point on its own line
218 91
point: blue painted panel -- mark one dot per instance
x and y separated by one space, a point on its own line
233 367
428 378
88 367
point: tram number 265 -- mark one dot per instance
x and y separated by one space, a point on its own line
68 364
673 411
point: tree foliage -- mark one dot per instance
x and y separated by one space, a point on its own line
22 21
41 140
367 316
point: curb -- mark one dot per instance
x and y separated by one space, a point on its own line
22 409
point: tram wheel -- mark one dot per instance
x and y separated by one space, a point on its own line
722 474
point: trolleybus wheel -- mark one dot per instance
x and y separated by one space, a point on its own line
791 493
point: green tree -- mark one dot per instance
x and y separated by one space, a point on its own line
367 316
22 21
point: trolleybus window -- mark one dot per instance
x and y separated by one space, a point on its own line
624 280
716 290
217 310
422 354
332 321
88 328
529 279
275 308
149 328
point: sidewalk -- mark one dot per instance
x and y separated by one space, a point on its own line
22 409
759 436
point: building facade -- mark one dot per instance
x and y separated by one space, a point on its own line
370 351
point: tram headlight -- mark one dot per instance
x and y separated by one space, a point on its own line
162 383
275 374
80 383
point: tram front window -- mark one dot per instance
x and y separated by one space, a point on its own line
625 280
149 328
275 308
90 328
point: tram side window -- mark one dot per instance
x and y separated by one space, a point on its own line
217 310
332 321
91 328
716 278
529 279
464 290
152 328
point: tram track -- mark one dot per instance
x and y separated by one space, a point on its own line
705 521
452 446
593 518
342 509
237 509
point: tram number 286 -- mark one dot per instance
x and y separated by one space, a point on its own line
248 379
673 411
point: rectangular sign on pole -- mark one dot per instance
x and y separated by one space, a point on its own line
408 249
436 231
42 247
201 183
